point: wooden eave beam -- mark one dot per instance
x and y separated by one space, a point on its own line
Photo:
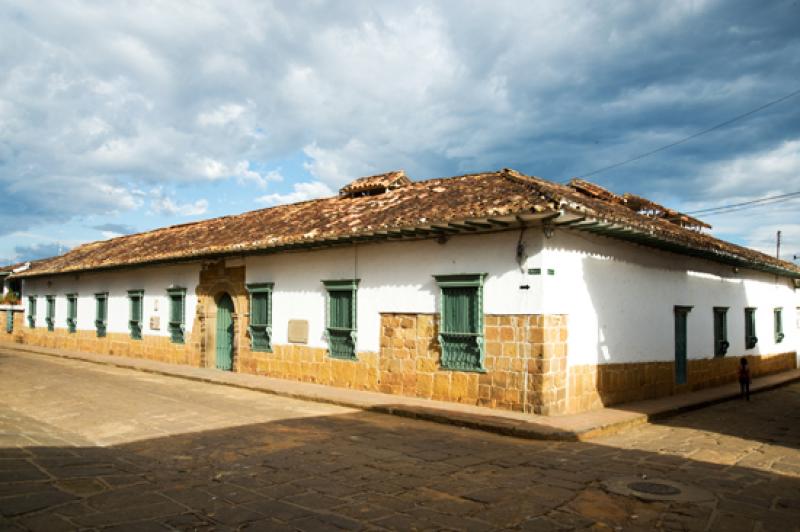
445 228
498 222
462 226
478 224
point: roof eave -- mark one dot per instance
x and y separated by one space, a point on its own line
640 236
422 231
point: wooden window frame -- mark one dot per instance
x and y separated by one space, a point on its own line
101 318
778 324
177 328
50 312
32 312
342 341
721 343
72 312
462 350
134 325
681 340
260 333
750 338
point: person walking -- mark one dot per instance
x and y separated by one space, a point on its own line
744 379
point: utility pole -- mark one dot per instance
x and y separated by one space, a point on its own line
778 246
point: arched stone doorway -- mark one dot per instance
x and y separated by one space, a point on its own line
224 337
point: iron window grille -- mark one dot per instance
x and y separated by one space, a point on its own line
461 323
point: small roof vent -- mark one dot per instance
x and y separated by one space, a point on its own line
375 184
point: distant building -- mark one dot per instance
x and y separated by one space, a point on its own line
496 289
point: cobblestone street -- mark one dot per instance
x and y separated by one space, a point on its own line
96 447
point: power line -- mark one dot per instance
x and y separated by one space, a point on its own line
695 135
754 203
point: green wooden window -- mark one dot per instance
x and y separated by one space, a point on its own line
32 312
50 315
260 316
72 312
9 321
101 313
720 331
681 344
750 338
135 300
461 324
341 329
778 312
177 314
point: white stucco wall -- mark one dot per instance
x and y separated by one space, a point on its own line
395 277
620 299
619 296
153 280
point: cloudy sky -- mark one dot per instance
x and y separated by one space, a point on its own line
118 117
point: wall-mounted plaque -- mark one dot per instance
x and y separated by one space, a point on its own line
155 323
298 331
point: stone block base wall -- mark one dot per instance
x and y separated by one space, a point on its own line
525 365
592 387
525 357
312 364
150 347
19 321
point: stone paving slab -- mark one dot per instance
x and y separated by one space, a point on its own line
577 427
127 450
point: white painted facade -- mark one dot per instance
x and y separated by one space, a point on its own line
153 280
620 299
394 277
619 296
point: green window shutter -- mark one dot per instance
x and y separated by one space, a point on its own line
778 312
135 298
32 312
260 316
50 316
461 324
72 312
342 318
177 314
720 331
750 339
681 366
101 313
9 321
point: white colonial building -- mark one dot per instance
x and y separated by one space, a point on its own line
496 289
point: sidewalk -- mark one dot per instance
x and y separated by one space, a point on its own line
576 427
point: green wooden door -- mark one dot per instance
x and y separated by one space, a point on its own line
224 339
681 314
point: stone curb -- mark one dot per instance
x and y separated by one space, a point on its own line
547 428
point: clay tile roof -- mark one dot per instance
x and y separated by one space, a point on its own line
594 190
644 205
376 183
406 209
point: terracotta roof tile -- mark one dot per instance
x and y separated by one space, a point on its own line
376 183
414 209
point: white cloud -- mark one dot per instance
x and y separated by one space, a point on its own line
774 170
111 103
221 116
300 192
340 166
242 171
164 205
